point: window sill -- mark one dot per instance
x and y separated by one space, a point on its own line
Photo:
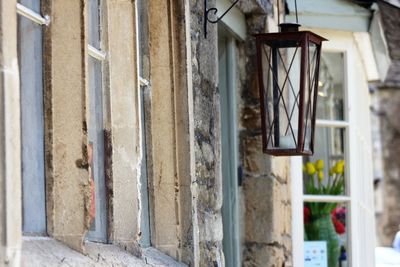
45 251
156 258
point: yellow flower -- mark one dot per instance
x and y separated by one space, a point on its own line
310 168
340 167
319 165
320 176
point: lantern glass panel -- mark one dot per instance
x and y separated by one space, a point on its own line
281 94
310 85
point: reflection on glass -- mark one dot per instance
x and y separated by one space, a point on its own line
331 87
325 234
324 171
309 92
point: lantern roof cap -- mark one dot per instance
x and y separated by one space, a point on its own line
281 39
289 27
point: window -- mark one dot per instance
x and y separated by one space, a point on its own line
328 210
336 220
229 147
231 32
143 57
91 106
32 122
98 230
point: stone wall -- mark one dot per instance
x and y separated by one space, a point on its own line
265 194
266 186
389 106
206 119
386 110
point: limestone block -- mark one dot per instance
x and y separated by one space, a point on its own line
287 244
213 231
209 197
389 104
250 91
211 254
250 117
254 161
263 255
255 6
280 167
265 215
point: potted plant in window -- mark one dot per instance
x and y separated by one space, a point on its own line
318 216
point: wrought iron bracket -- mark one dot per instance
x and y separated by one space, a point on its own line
214 10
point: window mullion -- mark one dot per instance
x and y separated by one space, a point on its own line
143 81
331 123
96 53
325 198
32 15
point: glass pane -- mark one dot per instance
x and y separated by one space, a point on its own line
324 172
94 23
309 91
143 28
32 123
281 95
96 138
325 234
330 104
98 213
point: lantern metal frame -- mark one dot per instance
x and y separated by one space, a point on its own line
289 37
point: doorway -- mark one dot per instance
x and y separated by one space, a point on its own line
229 147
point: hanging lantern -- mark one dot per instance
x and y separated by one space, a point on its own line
288 68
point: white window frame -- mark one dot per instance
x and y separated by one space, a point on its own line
32 15
357 187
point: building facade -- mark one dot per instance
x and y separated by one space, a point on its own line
386 102
133 139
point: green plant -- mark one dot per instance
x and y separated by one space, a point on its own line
318 224
315 185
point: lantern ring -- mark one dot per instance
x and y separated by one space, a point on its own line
214 10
